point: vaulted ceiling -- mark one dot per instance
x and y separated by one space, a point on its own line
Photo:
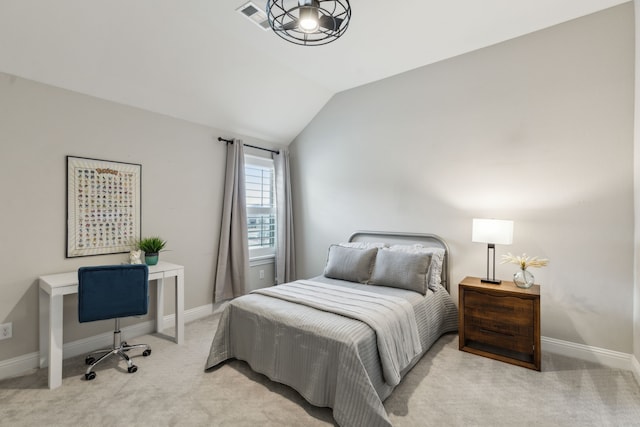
202 61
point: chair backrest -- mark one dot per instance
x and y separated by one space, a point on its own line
111 291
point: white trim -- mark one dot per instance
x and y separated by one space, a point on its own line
22 365
193 314
104 340
635 368
608 358
18 366
263 260
261 164
259 161
29 363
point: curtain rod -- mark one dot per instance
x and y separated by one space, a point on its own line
230 141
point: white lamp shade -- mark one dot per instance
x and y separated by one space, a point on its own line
497 231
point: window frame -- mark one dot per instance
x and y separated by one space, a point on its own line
262 252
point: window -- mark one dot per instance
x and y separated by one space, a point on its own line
261 206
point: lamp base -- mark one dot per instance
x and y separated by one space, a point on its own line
494 281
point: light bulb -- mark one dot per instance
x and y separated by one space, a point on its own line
308 21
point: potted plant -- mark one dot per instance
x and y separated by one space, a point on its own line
524 278
151 246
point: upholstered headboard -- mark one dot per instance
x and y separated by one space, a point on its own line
397 238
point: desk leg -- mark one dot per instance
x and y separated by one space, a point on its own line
53 334
43 330
180 307
160 305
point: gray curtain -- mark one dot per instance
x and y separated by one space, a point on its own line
285 247
233 251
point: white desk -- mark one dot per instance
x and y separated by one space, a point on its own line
54 286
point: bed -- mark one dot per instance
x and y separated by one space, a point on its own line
345 339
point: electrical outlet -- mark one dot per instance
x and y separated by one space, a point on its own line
6 331
262 274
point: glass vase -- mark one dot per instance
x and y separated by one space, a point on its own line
523 279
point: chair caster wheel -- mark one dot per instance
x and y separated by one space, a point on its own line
89 361
91 375
132 369
146 353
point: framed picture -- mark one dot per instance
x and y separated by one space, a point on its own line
103 206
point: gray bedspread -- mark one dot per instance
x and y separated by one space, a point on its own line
331 360
392 318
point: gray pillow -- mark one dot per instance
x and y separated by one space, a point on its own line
352 264
404 270
437 260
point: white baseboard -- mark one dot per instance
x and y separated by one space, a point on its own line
18 366
30 362
86 345
636 368
608 358
193 314
24 364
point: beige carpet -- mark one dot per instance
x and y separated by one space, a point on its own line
446 388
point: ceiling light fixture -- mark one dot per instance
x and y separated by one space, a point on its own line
309 22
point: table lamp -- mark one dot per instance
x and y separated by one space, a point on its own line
492 232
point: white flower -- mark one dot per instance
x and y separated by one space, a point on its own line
524 261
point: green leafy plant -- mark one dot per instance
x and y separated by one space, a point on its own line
151 245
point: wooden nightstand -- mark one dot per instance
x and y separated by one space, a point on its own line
500 321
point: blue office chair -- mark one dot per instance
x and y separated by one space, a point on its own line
112 292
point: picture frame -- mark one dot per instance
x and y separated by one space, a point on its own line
104 209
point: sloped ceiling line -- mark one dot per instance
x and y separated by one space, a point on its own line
203 62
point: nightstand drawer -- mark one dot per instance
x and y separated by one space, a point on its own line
499 339
519 317
517 328
497 305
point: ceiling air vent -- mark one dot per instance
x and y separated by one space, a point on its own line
255 15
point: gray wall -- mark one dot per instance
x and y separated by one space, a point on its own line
538 129
182 182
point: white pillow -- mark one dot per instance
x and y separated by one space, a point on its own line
400 269
437 259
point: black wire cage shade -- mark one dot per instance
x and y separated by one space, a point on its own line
309 22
